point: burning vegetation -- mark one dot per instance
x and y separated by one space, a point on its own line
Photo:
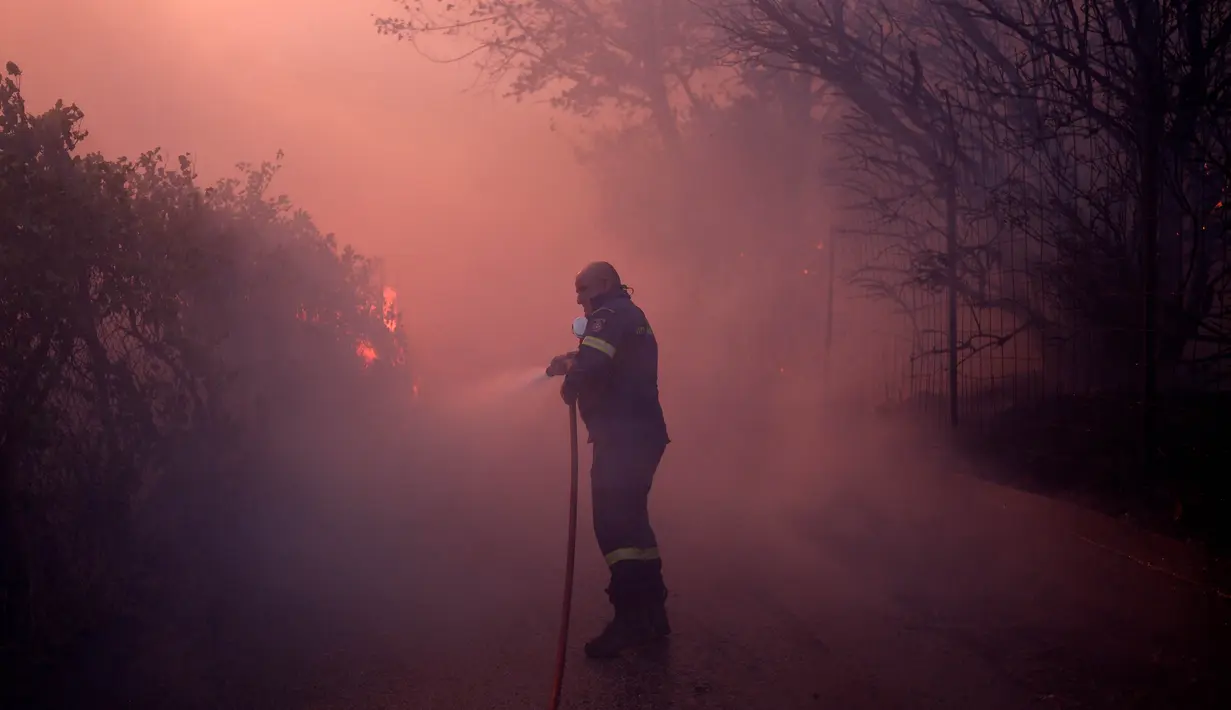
159 336
391 318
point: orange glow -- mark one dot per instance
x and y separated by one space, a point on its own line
805 272
820 245
391 298
364 348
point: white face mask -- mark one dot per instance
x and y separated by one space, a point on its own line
579 326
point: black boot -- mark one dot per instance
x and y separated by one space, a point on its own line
639 597
657 610
630 628
654 594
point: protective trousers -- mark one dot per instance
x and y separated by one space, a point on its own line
621 475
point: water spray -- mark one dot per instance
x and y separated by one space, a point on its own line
488 393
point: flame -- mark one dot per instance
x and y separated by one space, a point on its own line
391 298
364 348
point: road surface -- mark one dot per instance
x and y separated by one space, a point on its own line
868 580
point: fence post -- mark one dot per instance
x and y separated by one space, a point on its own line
833 258
950 177
1154 108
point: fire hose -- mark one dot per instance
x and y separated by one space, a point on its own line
579 329
562 642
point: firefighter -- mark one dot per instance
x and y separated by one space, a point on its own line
613 378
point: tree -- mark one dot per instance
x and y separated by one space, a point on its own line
642 59
148 326
992 100
1135 109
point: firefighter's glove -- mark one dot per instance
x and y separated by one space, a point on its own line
561 364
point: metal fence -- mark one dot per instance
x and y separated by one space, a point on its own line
1024 337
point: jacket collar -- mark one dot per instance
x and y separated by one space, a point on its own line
606 298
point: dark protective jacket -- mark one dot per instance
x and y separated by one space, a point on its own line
615 375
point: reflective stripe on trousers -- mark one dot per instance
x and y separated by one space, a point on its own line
625 554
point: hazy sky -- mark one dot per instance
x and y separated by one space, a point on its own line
382 146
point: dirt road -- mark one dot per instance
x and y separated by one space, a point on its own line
858 581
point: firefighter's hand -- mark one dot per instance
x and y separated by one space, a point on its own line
561 364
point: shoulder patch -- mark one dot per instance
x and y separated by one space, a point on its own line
596 325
